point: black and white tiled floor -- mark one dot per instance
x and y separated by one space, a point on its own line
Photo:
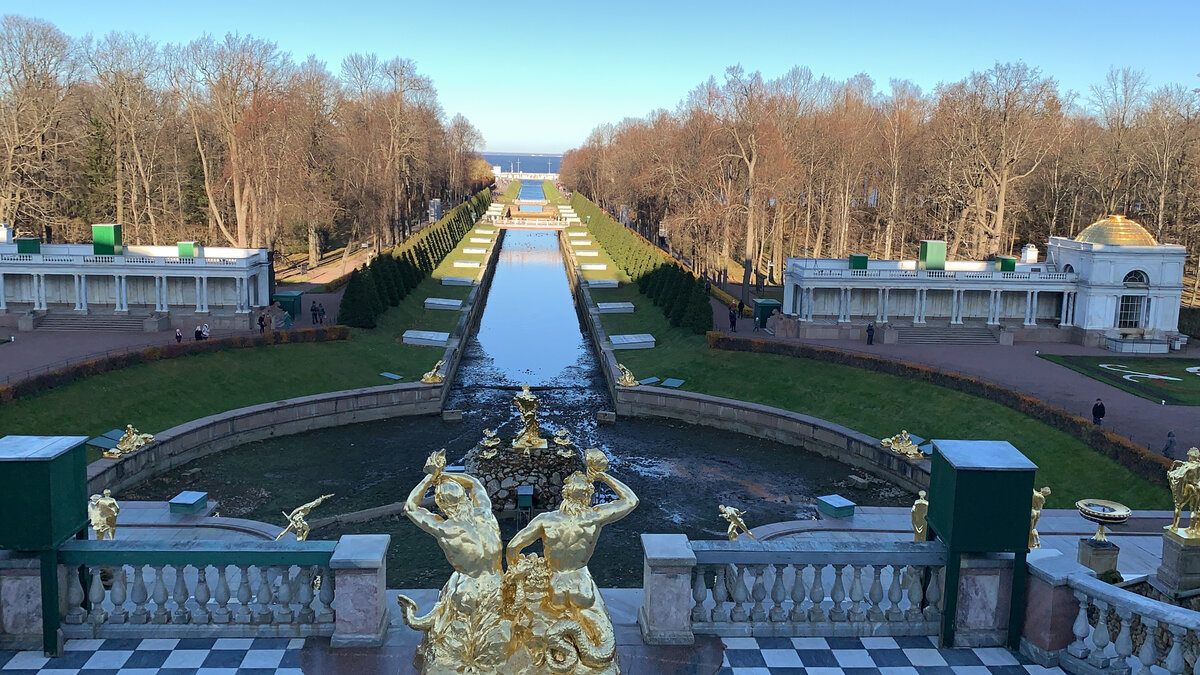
191 656
867 656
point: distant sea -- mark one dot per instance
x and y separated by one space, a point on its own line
529 162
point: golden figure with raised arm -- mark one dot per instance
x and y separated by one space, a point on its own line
627 379
530 437
102 513
1184 479
296 519
734 517
433 376
1039 500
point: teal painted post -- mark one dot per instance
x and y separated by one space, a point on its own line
1016 605
51 645
950 595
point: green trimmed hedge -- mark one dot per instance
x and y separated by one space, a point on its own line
1137 459
1189 321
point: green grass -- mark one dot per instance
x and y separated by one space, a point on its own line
510 192
1185 390
873 403
160 395
552 194
447 269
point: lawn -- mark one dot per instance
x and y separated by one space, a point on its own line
160 395
447 269
1131 374
552 194
872 403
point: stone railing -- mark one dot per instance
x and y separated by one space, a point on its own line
801 272
120 260
789 588
144 588
1085 625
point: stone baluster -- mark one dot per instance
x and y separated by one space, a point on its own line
159 596
933 594
264 614
857 613
699 595
283 613
96 597
875 613
720 594
1081 629
915 594
75 597
221 614
202 594
759 592
1148 654
1100 637
799 592
117 595
1174 661
837 595
180 596
778 595
816 595
740 594
325 614
895 594
1124 642
243 613
139 596
304 595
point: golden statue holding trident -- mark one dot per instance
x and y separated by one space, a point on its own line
296 519
1184 479
530 437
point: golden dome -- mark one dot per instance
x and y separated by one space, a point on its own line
1116 230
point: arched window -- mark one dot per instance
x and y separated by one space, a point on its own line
1133 309
1068 269
1137 278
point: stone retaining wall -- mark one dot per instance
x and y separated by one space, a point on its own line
471 312
195 439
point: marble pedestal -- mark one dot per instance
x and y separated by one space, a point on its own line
1099 557
1180 568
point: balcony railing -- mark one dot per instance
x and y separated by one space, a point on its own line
139 261
933 275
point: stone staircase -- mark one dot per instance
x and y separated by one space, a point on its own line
105 323
949 335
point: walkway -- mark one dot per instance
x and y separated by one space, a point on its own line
1019 367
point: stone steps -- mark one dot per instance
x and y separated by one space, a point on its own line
956 335
92 322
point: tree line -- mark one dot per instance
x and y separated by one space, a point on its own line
753 170
227 141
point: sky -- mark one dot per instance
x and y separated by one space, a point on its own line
538 77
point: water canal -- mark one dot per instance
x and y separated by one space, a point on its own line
529 332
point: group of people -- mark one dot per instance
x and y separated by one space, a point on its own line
735 310
318 312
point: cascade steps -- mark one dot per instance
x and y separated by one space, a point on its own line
951 335
92 322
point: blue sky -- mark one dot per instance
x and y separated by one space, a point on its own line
537 77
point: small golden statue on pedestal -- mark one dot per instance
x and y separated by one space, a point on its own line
566 448
1039 500
627 379
736 525
433 376
490 444
130 442
296 519
920 526
102 513
1184 479
902 445
531 435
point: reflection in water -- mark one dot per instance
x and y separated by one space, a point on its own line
531 190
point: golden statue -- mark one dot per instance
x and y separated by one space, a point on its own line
102 512
531 435
734 518
490 444
559 621
1039 500
130 442
296 519
566 448
627 379
467 629
920 526
433 376
1184 479
902 445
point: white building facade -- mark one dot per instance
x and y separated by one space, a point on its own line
1113 285
167 286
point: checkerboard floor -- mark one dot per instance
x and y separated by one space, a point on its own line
190 656
867 656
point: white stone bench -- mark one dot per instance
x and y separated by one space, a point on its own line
457 281
581 242
602 283
443 303
593 267
430 338
634 341
615 307
588 254
577 234
481 240
480 230
474 251
467 263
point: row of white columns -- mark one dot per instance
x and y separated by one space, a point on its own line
921 299
121 283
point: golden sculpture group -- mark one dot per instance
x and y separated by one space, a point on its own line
296 519
627 379
531 433
1184 479
902 445
102 514
542 614
737 526
130 442
433 376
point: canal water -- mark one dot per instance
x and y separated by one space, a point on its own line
529 333
531 190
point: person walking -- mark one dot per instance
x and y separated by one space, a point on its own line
732 318
313 309
1169 448
321 313
1098 412
741 308
870 333
178 336
262 323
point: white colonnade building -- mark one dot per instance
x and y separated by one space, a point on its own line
161 286
1112 285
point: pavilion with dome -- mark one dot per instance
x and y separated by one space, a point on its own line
1114 285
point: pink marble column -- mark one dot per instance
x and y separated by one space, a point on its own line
359 591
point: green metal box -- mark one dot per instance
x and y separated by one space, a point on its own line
858 261
980 494
932 255
835 506
524 496
29 245
291 302
762 310
43 491
1006 263
189 249
106 240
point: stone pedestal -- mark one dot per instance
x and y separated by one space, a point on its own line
507 469
665 614
359 565
1050 606
984 600
1180 568
1098 556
